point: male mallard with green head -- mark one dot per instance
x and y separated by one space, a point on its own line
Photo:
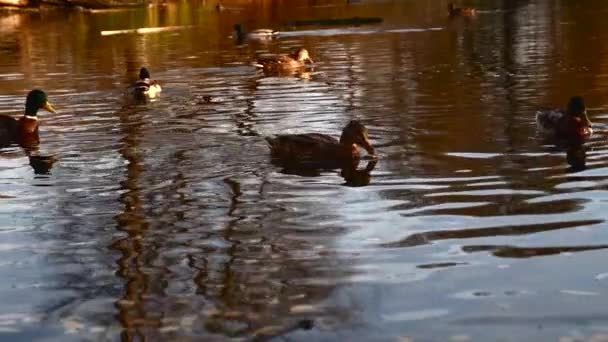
571 123
145 86
315 147
24 131
454 11
297 59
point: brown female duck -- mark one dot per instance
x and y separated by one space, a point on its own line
569 124
24 131
454 11
315 147
295 60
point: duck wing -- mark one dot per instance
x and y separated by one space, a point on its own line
308 139
140 86
8 130
302 146
548 121
275 62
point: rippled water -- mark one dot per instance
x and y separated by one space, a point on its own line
167 221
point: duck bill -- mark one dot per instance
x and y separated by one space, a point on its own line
47 106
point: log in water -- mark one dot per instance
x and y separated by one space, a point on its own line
145 30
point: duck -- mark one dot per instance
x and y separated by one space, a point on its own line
145 86
569 124
24 131
259 34
321 148
454 11
297 59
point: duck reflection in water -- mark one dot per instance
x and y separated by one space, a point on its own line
42 165
358 177
353 176
576 156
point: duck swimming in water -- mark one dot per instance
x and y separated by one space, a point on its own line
298 59
454 11
144 86
259 34
568 124
321 148
24 131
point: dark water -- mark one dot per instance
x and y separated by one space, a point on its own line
167 221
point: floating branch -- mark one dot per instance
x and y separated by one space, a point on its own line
145 30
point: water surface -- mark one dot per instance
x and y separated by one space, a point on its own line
167 221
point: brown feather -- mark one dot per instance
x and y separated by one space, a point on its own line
23 131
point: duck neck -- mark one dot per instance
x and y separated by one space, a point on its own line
347 144
31 111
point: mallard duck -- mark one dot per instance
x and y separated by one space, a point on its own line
259 34
315 147
571 123
24 131
454 11
295 60
145 86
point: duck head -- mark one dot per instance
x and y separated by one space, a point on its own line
36 99
301 55
576 108
356 134
144 73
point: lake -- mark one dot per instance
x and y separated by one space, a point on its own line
168 221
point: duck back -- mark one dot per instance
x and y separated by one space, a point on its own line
8 130
305 146
548 121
